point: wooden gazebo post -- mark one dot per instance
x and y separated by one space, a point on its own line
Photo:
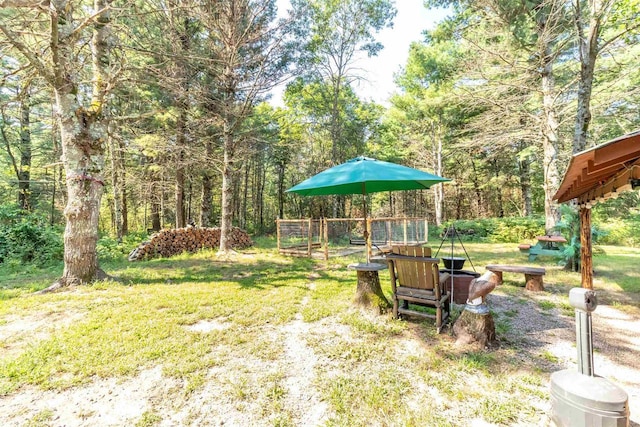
586 257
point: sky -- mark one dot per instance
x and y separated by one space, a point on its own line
411 20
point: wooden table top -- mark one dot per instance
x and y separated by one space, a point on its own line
555 239
372 266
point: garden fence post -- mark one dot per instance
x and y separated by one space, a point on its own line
309 237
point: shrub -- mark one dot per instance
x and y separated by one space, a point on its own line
109 249
516 229
499 230
620 231
27 237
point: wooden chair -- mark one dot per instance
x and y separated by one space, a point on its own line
415 279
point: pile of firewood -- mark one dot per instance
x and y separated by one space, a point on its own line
191 239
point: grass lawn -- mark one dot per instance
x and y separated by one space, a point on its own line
263 339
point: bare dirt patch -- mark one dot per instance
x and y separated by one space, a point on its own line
17 332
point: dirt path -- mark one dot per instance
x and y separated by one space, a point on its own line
302 396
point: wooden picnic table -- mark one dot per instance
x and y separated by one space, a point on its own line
546 245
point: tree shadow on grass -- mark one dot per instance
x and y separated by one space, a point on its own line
257 274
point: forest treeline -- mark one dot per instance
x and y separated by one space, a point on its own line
158 113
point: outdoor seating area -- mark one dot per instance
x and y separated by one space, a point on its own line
545 245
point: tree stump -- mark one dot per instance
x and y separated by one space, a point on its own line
534 282
473 328
369 294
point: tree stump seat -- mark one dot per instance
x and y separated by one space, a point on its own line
369 293
532 275
474 328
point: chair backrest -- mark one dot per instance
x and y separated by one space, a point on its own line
421 274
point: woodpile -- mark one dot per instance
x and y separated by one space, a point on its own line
190 239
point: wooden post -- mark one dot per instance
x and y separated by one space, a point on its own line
368 238
309 238
426 230
278 233
586 258
388 227
326 238
405 231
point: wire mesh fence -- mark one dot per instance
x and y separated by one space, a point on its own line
326 238
299 237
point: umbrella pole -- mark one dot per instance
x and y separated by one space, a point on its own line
367 240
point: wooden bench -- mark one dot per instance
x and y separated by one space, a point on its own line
532 275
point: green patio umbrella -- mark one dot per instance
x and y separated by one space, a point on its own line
364 175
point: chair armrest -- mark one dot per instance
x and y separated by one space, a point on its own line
444 277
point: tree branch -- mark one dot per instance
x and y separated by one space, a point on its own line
89 20
31 56
8 146
43 4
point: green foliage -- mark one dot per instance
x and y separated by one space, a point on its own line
620 231
569 227
27 237
348 24
109 249
605 230
499 230
619 220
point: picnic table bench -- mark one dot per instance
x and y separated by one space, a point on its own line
532 275
546 245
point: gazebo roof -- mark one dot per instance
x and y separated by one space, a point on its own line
603 171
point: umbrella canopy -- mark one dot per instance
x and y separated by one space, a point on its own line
364 175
